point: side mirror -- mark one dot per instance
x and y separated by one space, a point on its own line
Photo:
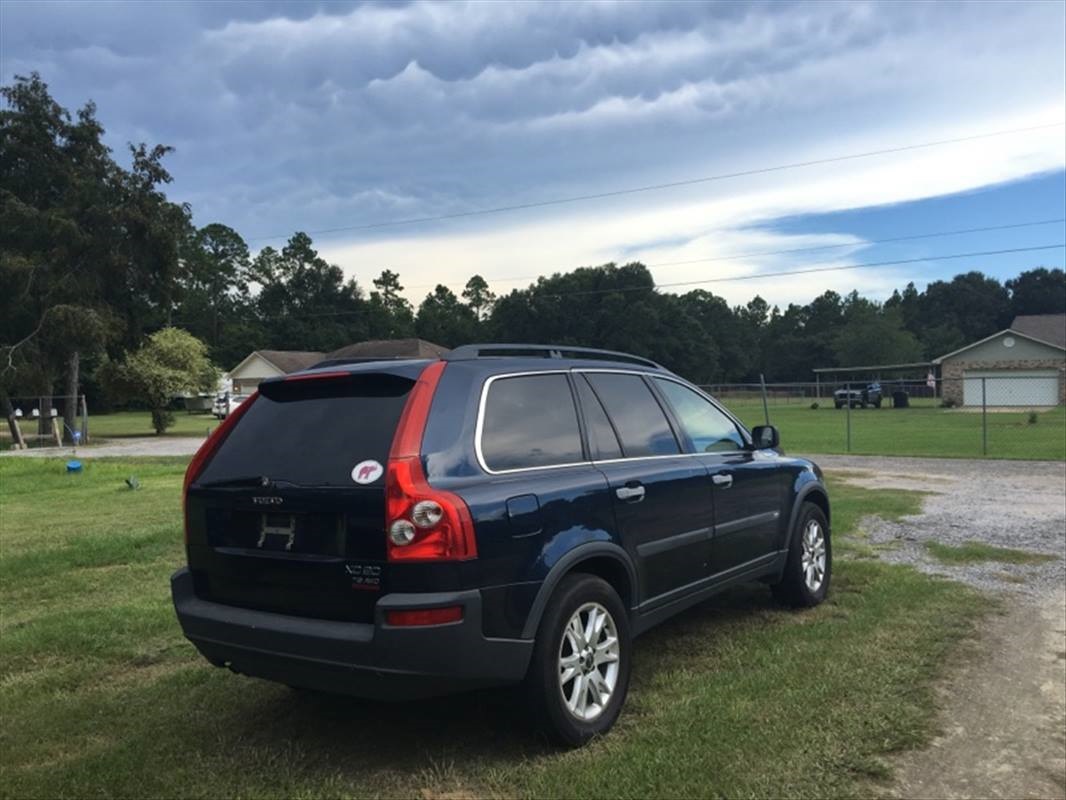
765 437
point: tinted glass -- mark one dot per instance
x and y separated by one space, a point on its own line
313 432
636 414
602 440
711 431
530 421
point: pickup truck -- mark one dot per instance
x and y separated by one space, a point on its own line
870 395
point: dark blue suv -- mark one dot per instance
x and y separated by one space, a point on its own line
509 514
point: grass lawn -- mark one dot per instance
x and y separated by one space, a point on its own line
139 423
974 552
918 431
101 696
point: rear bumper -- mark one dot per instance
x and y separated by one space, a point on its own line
376 661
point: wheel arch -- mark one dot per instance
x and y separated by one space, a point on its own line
602 559
813 492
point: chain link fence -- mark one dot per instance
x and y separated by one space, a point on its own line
976 414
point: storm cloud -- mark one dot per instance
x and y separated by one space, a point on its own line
309 116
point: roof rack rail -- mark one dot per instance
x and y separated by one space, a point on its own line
472 351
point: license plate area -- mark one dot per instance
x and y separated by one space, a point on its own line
297 532
277 532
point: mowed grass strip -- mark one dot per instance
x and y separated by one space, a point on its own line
122 424
918 431
101 696
976 552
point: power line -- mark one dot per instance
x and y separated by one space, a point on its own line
659 186
865 243
810 271
806 271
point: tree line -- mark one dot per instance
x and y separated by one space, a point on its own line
94 257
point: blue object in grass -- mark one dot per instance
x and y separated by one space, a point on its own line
74 466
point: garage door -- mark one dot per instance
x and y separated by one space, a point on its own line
1012 387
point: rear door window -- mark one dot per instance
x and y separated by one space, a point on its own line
313 432
530 421
710 430
636 414
602 439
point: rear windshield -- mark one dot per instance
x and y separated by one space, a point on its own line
313 432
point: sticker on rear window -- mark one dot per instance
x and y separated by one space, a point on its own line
367 471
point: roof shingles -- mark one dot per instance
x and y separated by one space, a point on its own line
291 360
1050 328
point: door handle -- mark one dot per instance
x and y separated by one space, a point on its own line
725 481
632 494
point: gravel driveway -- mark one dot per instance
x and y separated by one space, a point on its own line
1016 504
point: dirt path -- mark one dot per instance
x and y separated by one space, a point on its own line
1003 714
118 448
1003 707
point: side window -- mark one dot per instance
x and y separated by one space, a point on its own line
530 421
711 431
640 422
602 440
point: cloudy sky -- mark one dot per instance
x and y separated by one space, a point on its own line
320 116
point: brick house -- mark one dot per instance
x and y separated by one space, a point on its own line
1024 365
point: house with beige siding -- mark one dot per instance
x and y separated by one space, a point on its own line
259 365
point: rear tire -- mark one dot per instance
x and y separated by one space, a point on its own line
805 580
579 672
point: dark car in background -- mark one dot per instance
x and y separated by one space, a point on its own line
510 514
859 396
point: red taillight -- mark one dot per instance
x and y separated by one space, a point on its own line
447 534
425 616
208 449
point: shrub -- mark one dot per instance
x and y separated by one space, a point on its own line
814 406
1033 418
170 362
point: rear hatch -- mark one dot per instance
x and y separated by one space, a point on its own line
288 515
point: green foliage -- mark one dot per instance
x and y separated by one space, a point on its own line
1038 291
390 315
612 307
88 248
443 319
872 336
978 552
478 297
170 363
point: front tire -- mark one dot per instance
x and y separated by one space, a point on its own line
579 672
805 580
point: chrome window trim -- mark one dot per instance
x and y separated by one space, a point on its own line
479 426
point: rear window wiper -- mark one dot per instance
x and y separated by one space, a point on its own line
248 480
